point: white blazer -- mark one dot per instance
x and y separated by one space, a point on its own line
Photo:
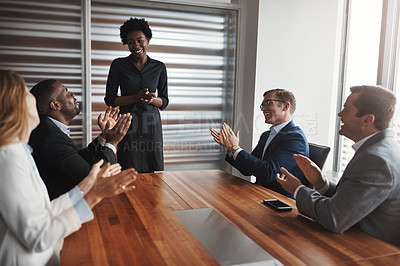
32 228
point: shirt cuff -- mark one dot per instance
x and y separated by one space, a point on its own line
101 140
75 195
297 190
84 211
324 189
236 153
103 143
112 147
80 205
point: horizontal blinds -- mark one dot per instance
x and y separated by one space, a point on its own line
41 40
346 154
198 50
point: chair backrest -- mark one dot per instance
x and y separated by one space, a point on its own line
318 153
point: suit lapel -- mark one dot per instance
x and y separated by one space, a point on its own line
379 136
262 144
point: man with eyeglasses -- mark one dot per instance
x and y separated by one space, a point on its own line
276 146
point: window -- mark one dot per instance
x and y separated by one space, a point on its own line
42 40
362 56
396 80
373 54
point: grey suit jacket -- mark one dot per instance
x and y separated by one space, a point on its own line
367 195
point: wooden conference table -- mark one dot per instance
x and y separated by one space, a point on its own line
140 228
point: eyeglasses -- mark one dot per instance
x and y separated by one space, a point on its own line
268 102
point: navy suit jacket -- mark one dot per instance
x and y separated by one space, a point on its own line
288 141
61 165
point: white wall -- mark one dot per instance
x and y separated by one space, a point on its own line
298 49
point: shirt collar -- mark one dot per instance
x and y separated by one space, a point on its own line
279 127
28 148
358 144
64 128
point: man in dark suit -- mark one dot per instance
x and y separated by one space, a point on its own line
59 162
275 147
368 193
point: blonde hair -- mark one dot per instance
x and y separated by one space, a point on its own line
13 107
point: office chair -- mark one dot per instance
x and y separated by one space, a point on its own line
318 153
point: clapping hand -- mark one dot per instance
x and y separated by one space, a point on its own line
311 171
106 182
109 119
288 181
230 139
217 136
98 172
226 138
116 133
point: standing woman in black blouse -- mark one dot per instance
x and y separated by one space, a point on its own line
139 77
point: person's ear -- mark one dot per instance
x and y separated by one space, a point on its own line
286 106
368 120
55 106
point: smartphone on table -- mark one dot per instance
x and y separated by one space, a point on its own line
277 205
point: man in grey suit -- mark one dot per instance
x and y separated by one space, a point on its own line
368 193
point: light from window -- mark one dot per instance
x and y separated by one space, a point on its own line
362 56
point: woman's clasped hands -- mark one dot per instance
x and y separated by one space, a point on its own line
145 96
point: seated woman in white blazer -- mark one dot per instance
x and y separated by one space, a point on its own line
32 227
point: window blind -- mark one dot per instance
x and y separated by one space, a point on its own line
42 40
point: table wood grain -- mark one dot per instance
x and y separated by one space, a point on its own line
140 228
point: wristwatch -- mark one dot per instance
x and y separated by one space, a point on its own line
235 148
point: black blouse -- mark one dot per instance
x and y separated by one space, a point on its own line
124 74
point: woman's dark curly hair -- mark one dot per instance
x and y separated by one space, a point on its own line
134 24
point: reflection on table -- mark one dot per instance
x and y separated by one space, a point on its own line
140 227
